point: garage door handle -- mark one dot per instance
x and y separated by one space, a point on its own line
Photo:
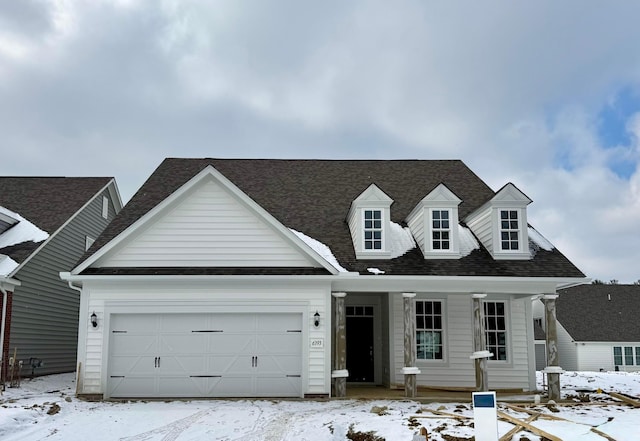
155 362
158 361
254 361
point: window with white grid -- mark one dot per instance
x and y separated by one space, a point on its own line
429 322
495 328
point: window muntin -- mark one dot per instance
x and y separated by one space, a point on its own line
509 230
440 230
429 330
495 326
373 229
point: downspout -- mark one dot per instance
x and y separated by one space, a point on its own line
79 376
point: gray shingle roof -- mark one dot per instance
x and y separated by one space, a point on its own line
314 197
600 312
47 202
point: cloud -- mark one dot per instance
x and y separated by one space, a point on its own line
515 90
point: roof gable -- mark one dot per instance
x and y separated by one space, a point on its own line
510 195
207 222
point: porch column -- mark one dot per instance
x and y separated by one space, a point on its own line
410 370
552 370
340 372
480 353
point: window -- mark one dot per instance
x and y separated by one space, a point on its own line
372 229
509 230
440 230
105 207
626 355
537 321
495 326
429 330
617 355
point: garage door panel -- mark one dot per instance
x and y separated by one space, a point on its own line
232 386
134 364
132 386
226 343
278 386
127 343
231 364
136 323
278 322
176 343
182 386
287 343
287 364
185 364
235 323
184 323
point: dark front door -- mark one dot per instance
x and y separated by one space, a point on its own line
360 344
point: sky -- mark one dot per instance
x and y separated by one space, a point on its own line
543 94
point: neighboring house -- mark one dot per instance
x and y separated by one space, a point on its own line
248 278
46 225
598 327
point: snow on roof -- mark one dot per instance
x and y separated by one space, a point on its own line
23 231
540 240
401 240
321 249
375 271
468 242
7 265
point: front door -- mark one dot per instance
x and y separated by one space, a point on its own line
360 356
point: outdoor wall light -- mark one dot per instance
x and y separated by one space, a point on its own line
316 319
94 320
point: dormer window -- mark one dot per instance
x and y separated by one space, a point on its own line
372 229
509 230
370 224
434 224
501 224
440 230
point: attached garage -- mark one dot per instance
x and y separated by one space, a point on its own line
205 355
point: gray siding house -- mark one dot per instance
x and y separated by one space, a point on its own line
46 225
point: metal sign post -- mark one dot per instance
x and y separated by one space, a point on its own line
485 416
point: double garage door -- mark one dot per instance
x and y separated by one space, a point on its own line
205 355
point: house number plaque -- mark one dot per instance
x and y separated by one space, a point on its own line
316 343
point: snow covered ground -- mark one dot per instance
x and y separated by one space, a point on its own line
45 408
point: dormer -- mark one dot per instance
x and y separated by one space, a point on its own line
434 224
6 222
369 223
501 224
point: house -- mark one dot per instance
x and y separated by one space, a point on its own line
250 278
598 327
46 225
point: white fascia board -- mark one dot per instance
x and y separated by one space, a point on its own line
208 171
114 191
63 226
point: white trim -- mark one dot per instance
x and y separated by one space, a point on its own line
105 207
553 370
408 295
208 172
73 216
410 370
481 354
342 373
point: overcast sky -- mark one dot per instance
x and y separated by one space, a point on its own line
543 94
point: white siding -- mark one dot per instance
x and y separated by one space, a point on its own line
207 227
483 229
416 225
167 297
593 356
567 352
457 369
